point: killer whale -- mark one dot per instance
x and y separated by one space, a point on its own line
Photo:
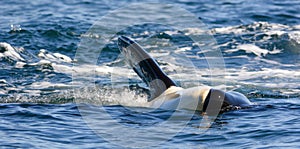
166 94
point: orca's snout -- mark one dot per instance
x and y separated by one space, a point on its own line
124 42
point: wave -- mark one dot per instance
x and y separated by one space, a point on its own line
262 58
267 36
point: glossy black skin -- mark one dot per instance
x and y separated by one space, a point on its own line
148 70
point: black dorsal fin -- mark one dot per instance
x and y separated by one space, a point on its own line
145 66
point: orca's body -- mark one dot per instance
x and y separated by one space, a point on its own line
166 94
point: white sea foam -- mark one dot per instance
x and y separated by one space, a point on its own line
45 85
183 49
265 27
110 96
195 31
44 54
20 64
268 77
171 32
7 51
295 35
250 48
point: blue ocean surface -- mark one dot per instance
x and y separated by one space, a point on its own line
64 83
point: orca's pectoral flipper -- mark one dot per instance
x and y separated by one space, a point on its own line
145 66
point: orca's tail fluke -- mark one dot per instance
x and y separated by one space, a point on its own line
145 66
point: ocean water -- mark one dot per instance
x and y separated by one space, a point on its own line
63 82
